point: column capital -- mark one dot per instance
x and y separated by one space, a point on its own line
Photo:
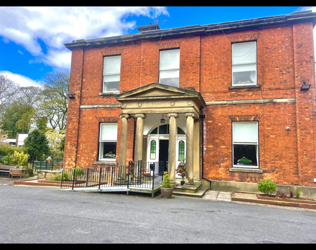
173 115
190 114
124 116
143 116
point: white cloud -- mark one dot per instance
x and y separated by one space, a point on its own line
20 52
58 25
23 81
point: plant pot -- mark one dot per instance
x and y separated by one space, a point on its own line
166 192
182 183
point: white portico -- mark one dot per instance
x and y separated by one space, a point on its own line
180 133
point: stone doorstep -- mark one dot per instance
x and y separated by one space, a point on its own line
187 188
198 194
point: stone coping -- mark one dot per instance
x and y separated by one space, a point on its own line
109 163
246 170
245 87
110 93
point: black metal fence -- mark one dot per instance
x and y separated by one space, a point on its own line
148 175
43 164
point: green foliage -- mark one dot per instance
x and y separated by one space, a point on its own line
6 149
36 144
41 124
298 192
62 144
16 159
166 181
17 118
244 160
59 176
266 186
28 172
181 169
78 172
131 167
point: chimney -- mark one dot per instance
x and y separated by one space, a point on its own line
149 27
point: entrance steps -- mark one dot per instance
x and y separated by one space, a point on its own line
196 190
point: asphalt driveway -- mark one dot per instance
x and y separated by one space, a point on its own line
51 215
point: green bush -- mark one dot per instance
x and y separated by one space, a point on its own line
6 149
78 172
298 192
16 159
267 187
166 181
28 172
63 175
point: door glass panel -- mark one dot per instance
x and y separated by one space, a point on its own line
181 150
153 150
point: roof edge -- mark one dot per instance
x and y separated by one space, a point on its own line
300 16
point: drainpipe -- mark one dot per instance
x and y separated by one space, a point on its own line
203 117
134 139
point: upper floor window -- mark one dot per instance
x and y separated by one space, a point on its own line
169 65
244 63
111 73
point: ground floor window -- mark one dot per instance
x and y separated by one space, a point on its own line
107 142
245 144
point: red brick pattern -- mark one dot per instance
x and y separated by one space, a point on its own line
283 63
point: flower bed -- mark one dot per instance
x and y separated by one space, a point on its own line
270 200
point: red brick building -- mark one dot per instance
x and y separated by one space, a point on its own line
234 90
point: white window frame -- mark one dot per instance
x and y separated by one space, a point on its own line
165 70
245 143
104 74
248 63
100 141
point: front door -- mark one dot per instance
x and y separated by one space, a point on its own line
163 153
158 149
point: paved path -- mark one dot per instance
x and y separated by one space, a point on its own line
217 196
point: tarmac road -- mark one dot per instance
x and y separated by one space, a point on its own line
52 215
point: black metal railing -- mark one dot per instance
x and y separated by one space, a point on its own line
148 175
41 164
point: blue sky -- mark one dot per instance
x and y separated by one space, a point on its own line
32 38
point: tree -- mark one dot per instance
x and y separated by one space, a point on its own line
36 144
8 89
17 118
54 141
55 99
19 115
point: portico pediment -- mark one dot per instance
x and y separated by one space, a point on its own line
159 93
157 98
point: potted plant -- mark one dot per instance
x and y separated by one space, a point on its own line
244 161
110 155
181 169
130 168
166 189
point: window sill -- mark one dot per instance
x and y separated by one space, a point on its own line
245 87
246 170
110 93
109 163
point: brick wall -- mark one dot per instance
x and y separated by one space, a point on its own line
283 62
